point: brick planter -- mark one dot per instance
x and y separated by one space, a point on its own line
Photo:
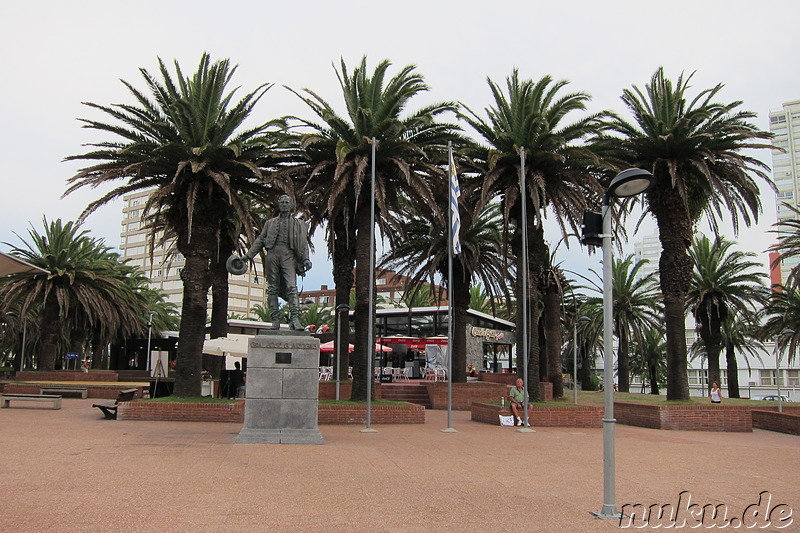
786 422
380 414
581 416
327 390
545 388
736 418
182 412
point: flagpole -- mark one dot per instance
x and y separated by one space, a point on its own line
451 175
523 196
370 324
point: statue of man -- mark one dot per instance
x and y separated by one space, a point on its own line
285 238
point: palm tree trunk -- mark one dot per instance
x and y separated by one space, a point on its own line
460 302
364 347
535 269
219 296
653 372
552 334
585 370
711 333
675 270
49 327
196 282
623 360
733 372
343 255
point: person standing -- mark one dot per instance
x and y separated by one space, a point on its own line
716 393
235 381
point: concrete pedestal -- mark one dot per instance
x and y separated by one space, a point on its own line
282 390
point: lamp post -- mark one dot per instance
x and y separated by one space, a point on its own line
149 329
575 356
627 183
785 334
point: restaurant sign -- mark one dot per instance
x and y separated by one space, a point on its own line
491 334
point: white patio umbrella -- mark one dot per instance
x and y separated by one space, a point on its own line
233 345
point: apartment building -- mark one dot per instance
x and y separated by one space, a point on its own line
164 268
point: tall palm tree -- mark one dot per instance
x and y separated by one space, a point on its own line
83 288
723 281
420 251
636 309
185 139
338 150
693 147
559 175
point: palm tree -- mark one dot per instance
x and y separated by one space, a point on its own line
739 335
636 308
559 175
338 151
648 358
693 148
788 231
780 315
420 251
723 281
185 141
83 288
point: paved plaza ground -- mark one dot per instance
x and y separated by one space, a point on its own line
69 470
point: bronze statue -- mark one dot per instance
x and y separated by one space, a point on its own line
285 238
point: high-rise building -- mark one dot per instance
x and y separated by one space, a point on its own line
164 271
784 123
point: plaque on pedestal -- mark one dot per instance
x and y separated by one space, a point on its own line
282 390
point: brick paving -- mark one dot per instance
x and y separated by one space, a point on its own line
72 471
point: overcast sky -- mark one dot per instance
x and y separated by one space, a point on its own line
59 54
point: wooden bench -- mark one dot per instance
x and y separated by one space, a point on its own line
52 398
71 392
110 408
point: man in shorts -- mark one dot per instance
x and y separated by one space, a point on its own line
517 398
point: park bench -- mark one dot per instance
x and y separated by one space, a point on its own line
71 392
52 398
110 408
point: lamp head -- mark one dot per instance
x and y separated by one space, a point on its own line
630 182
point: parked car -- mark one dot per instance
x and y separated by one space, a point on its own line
771 398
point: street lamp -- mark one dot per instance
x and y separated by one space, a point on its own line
149 329
785 334
582 320
627 183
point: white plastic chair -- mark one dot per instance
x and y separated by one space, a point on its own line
399 374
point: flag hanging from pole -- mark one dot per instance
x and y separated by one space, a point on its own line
455 216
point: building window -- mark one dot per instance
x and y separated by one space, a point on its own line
380 281
766 378
793 378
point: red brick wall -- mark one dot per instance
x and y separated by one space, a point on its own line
582 416
182 412
786 422
636 414
465 394
685 417
68 375
545 389
380 414
327 390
